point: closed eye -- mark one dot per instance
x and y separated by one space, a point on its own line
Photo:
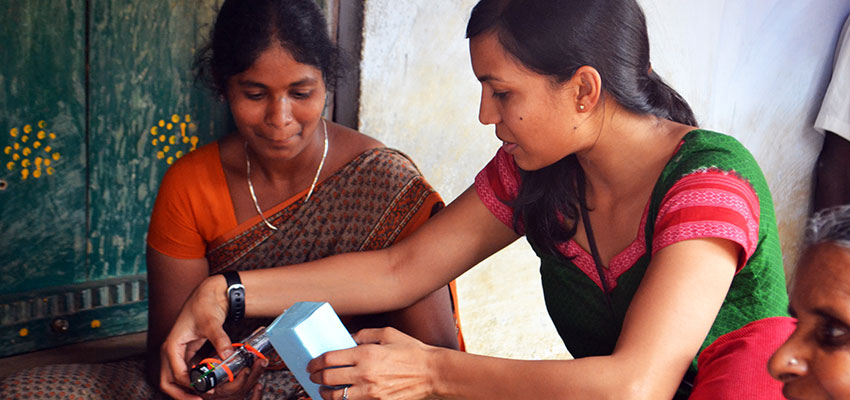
300 95
254 95
500 95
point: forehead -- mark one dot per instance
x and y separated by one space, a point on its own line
822 277
276 63
491 60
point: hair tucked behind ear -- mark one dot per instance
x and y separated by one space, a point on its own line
555 38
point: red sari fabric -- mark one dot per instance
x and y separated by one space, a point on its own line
742 356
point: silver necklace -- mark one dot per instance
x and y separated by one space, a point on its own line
312 185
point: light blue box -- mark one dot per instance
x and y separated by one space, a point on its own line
303 332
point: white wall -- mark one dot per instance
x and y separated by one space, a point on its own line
755 69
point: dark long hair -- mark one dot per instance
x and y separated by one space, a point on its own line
245 28
554 38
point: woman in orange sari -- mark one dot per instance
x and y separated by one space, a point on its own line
287 187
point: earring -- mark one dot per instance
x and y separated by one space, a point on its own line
581 107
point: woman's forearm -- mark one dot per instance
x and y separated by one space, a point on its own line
461 375
454 240
268 292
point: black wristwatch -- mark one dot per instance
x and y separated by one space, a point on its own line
235 297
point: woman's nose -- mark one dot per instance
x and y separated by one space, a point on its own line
487 113
279 112
788 362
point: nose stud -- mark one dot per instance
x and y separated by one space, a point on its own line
793 361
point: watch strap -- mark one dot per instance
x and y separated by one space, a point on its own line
235 297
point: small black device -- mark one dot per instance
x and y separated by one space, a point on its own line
211 371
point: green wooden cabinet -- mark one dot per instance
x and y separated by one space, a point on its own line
97 98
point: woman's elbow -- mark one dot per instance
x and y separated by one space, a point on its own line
642 389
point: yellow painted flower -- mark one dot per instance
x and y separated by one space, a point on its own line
171 142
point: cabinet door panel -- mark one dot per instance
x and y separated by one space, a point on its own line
42 117
43 153
146 113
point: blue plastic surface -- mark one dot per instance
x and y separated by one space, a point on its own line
303 332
